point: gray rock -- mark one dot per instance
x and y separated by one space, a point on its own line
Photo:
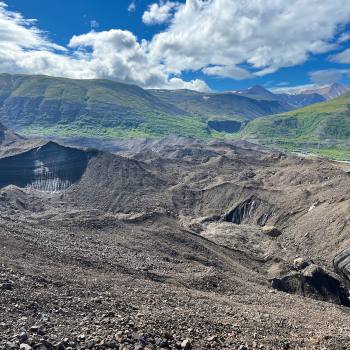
271 231
212 338
59 346
34 328
24 346
186 344
300 263
11 346
23 337
6 286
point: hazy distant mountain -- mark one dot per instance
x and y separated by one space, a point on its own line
259 92
289 101
221 104
329 91
300 100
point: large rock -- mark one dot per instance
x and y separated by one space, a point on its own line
313 282
271 231
301 263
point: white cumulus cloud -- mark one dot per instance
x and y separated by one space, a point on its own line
114 54
159 13
328 76
216 37
264 34
342 57
237 73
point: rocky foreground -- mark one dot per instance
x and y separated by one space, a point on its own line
186 246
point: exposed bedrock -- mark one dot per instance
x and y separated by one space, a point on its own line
50 167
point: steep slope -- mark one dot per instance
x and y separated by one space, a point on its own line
48 167
12 143
218 105
322 128
43 105
84 107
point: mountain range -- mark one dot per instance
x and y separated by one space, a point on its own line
104 109
328 91
175 243
289 101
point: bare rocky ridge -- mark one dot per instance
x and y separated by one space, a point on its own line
175 245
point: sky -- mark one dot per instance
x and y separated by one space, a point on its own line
205 45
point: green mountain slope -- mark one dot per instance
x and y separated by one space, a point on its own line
218 105
45 105
322 128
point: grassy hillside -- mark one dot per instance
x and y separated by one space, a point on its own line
218 105
44 105
41 105
322 128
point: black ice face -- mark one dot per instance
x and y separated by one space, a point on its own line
50 167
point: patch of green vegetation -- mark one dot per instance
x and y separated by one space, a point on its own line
181 126
161 126
42 105
322 128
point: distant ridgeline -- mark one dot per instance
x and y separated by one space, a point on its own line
44 105
104 109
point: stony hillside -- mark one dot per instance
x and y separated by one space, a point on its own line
180 245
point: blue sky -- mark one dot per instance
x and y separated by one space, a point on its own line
218 44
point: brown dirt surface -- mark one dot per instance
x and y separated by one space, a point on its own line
164 249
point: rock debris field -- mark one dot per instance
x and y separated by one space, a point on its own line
174 245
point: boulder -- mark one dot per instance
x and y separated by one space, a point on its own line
301 263
271 231
24 346
186 344
313 282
